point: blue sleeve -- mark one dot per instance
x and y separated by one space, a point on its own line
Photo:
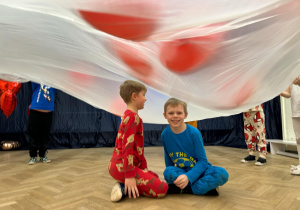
200 157
168 160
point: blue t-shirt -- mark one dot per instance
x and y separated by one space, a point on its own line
186 150
43 97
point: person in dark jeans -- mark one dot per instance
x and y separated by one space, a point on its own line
40 121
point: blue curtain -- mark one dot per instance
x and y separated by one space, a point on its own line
76 124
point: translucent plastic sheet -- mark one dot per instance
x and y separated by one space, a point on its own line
220 56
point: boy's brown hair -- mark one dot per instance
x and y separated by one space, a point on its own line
175 102
128 87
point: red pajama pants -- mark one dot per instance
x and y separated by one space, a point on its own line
147 183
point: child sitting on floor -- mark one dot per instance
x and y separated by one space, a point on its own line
187 169
128 164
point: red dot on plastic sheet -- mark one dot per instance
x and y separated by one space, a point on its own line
134 58
239 97
243 94
118 106
8 102
126 27
184 55
80 79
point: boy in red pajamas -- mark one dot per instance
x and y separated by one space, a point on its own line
128 164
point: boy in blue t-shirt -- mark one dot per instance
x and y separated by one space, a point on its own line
187 169
40 121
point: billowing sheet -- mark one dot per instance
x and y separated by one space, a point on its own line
220 56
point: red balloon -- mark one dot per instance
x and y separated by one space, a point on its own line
8 102
3 85
184 55
134 58
14 87
130 27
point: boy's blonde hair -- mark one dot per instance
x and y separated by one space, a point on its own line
175 102
128 87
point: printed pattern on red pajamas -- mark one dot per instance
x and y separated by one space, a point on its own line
128 158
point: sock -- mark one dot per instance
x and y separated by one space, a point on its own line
187 190
251 153
122 188
262 156
173 189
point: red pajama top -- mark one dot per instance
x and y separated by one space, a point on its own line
129 148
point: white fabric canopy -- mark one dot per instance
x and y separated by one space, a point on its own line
220 56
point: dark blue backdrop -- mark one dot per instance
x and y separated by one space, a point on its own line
76 124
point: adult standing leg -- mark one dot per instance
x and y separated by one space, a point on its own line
33 129
260 136
46 121
249 133
295 170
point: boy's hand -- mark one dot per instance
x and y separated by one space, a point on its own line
181 181
145 170
130 185
296 81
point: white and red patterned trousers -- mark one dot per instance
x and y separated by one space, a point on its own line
255 132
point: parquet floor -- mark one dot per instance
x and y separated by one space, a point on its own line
78 179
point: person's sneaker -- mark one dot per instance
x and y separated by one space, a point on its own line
45 159
260 161
249 158
213 192
295 167
117 192
32 161
295 170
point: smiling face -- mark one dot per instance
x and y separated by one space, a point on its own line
176 116
141 99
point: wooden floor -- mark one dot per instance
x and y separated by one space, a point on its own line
78 179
